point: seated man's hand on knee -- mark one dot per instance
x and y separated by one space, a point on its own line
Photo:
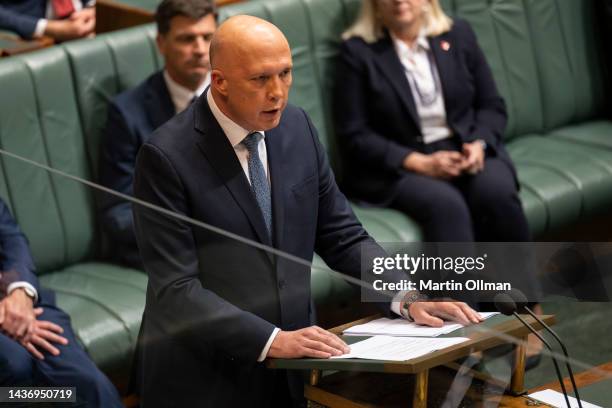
41 336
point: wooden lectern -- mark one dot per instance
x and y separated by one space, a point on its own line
491 333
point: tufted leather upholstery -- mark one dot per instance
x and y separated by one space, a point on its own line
53 109
54 106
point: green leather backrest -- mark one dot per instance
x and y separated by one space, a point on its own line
543 56
53 109
104 67
39 120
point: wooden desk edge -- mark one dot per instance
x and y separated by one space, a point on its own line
446 355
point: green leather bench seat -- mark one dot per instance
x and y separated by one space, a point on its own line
105 303
42 120
596 134
585 174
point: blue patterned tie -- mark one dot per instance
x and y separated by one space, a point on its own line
259 181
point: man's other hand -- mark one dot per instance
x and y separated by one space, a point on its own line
41 334
312 342
434 313
16 314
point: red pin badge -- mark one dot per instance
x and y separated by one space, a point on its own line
445 45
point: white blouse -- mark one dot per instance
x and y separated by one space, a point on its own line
422 74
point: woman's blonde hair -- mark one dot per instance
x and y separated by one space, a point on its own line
369 27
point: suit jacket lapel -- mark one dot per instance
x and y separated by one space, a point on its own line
274 147
159 105
391 66
219 152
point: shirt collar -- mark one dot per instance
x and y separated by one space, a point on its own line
233 131
421 43
181 96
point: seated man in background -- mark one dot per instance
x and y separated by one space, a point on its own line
185 28
37 344
61 20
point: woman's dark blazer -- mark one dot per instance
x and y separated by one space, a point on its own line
376 118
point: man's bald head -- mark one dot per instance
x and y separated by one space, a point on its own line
240 35
251 72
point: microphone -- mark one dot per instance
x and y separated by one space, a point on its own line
521 301
506 306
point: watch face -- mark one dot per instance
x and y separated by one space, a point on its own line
28 291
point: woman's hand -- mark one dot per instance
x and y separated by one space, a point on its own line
443 164
474 155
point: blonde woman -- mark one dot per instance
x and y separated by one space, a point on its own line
419 115
421 122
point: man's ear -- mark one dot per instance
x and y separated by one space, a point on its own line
160 40
218 82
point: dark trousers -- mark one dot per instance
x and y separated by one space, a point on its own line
483 207
72 368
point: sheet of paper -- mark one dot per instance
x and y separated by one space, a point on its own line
402 327
556 399
398 348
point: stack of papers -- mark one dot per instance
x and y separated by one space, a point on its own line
556 399
398 348
403 328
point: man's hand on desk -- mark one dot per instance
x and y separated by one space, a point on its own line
312 342
434 313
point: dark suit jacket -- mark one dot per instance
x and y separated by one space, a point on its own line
132 117
15 259
376 118
16 262
213 302
21 16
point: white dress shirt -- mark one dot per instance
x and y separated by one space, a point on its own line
181 96
22 284
236 134
425 86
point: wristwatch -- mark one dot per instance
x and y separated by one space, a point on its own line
28 291
409 299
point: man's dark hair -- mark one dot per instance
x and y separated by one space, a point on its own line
195 9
